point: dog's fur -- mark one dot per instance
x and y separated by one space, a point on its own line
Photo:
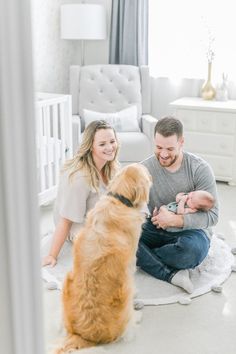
98 292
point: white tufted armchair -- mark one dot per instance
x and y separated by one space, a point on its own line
111 88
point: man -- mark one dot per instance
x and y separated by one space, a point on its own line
168 255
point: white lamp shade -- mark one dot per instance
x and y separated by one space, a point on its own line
83 21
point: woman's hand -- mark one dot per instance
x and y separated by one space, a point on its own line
49 260
60 234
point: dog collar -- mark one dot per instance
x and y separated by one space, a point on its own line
122 199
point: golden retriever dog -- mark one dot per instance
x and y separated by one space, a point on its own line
98 292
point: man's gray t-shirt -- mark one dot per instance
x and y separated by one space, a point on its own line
193 174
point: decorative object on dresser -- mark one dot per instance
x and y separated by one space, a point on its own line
222 89
210 132
208 92
119 94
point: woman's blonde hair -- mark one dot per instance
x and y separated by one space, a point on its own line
83 159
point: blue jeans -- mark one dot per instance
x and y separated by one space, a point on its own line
162 253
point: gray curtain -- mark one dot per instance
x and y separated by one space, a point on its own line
129 32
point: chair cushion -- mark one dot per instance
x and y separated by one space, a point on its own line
135 146
122 121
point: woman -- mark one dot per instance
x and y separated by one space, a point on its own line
84 178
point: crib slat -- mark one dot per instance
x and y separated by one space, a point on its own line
68 124
39 118
62 131
49 157
56 143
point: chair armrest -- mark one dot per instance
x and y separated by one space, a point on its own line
148 125
76 132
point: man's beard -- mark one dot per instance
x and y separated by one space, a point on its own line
167 163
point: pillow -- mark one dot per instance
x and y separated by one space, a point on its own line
122 121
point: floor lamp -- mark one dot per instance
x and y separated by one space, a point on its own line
83 22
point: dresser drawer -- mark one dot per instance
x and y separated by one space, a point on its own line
216 122
207 121
222 145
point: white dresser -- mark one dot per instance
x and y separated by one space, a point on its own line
210 132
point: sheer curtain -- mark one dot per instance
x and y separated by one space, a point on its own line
20 273
180 34
129 32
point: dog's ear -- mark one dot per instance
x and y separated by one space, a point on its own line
133 182
120 184
140 184
141 193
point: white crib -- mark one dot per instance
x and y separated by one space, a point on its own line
53 141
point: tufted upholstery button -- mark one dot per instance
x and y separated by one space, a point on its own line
91 102
101 70
111 80
101 91
111 102
120 92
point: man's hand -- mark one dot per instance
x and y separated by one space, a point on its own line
166 218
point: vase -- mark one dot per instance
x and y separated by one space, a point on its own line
208 92
222 90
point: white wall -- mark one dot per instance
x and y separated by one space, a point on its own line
53 55
165 91
97 52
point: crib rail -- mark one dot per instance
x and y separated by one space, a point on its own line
53 141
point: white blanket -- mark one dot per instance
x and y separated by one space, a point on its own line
213 271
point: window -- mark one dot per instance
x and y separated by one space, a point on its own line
180 33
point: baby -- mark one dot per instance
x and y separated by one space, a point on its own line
191 202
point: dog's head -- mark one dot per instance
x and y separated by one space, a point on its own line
132 182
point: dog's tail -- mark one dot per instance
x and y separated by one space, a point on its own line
72 342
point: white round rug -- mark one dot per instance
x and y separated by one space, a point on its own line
211 273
